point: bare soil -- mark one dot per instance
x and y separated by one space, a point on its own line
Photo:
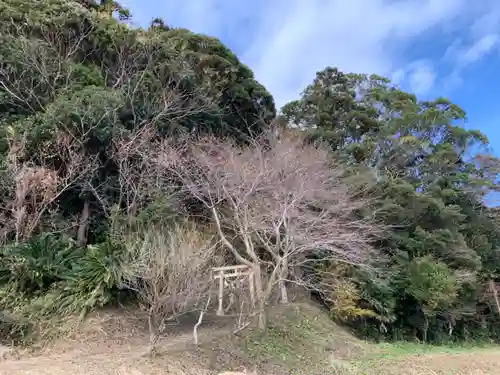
301 341
473 362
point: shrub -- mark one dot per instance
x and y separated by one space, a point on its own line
96 278
13 330
33 267
49 278
172 273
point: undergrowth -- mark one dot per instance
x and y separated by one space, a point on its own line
49 278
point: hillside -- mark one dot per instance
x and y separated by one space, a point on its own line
303 340
144 171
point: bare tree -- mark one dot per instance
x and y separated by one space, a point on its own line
276 204
141 180
171 273
36 186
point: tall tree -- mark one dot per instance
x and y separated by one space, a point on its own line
433 174
67 72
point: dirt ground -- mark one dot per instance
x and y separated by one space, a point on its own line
110 343
472 362
127 361
105 358
304 342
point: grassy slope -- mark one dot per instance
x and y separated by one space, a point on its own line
301 340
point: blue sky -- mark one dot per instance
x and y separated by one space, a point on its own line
431 47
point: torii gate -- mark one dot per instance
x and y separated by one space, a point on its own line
228 272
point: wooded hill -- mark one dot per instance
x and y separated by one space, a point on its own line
134 160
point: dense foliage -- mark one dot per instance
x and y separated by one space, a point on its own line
73 79
78 88
440 281
82 95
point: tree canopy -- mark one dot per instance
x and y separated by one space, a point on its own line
73 79
433 175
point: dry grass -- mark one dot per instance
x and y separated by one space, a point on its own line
461 362
301 340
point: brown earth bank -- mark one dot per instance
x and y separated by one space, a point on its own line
300 339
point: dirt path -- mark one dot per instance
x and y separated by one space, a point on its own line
112 344
94 365
103 357
104 360
128 361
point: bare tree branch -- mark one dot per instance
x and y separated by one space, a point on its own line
284 201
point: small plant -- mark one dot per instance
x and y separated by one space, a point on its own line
33 267
95 279
14 330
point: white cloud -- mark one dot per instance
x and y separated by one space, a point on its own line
487 18
480 48
460 55
419 75
286 41
398 76
422 77
355 35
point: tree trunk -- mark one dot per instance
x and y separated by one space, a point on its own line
261 297
283 292
493 288
154 334
282 282
425 330
19 214
84 221
262 321
153 342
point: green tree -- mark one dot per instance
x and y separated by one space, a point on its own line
430 187
75 81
